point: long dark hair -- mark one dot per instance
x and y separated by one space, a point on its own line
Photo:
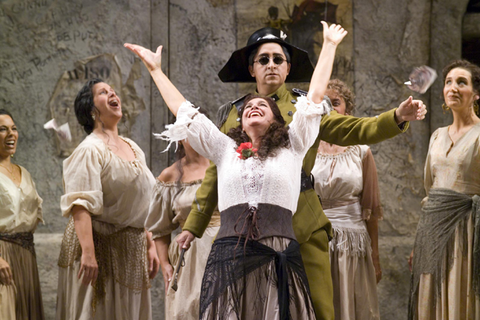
84 105
276 136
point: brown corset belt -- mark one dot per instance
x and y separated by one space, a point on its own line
267 220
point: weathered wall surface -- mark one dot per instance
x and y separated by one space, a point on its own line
41 39
391 38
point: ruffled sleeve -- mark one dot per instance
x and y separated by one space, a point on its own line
161 214
202 134
370 199
305 125
82 181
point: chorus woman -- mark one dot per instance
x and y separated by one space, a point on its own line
346 182
107 258
20 213
446 254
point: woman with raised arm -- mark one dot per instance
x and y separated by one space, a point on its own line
20 213
254 270
346 182
446 254
171 202
107 258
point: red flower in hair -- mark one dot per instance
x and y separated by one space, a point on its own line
245 150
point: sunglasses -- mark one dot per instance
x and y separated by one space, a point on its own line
265 60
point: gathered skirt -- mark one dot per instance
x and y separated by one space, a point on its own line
185 302
253 281
457 298
354 284
122 289
23 299
353 273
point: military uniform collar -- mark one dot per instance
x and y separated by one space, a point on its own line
280 94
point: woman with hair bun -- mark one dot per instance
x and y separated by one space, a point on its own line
446 254
107 258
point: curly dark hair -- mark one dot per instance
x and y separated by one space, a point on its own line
474 72
276 136
84 105
343 91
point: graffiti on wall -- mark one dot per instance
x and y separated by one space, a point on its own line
102 66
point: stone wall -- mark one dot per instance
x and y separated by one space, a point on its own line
41 39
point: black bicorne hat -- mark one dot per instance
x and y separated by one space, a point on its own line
236 69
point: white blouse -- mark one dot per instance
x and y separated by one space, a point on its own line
112 189
275 180
20 207
348 181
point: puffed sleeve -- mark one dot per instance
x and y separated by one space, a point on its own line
160 213
202 134
82 181
305 125
370 199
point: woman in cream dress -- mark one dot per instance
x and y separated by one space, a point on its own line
171 203
106 260
446 255
20 212
346 182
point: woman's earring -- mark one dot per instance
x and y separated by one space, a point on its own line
445 107
93 116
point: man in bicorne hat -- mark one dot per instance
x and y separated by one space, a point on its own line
270 61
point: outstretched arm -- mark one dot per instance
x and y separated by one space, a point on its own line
153 61
332 36
410 110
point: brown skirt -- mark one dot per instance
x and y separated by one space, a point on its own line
23 299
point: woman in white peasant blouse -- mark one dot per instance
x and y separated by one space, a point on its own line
254 270
106 258
20 213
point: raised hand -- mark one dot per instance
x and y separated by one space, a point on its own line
333 34
152 61
410 110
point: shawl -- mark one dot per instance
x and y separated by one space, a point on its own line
444 211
